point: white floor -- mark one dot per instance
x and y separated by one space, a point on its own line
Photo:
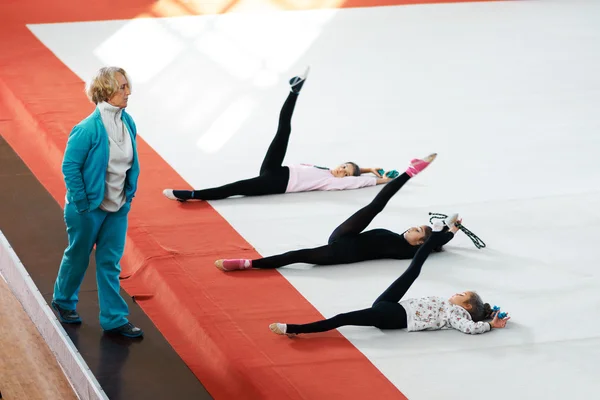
507 93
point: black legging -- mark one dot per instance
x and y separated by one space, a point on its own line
386 312
273 177
328 255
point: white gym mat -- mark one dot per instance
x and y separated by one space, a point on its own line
507 93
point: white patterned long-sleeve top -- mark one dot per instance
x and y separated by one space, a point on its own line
433 313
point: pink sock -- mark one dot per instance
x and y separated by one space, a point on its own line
416 166
237 263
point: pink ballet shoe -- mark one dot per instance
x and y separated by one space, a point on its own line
417 165
233 264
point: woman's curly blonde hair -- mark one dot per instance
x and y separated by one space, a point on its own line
104 84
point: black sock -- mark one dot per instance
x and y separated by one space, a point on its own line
183 194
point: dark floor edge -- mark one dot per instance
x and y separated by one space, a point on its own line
33 223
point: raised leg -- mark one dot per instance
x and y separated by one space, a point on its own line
400 286
363 217
278 148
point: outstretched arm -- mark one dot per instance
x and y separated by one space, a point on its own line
450 232
454 228
374 171
459 322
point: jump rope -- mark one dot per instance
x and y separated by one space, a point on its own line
480 244
474 238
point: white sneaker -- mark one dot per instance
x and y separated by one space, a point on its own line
450 222
297 82
168 193
438 226
278 328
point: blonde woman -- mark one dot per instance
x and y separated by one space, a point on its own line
101 170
